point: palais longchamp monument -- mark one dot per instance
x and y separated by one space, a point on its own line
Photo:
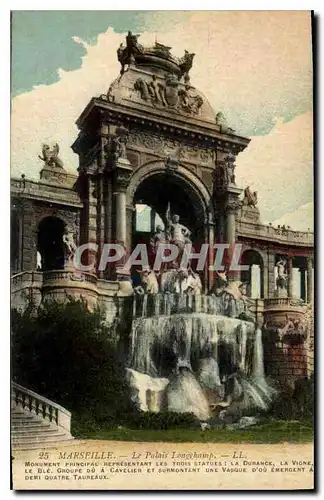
157 167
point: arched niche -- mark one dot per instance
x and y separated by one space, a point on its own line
50 243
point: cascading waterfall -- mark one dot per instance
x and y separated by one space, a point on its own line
189 353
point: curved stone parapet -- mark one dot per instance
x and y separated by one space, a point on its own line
61 284
25 287
276 310
275 234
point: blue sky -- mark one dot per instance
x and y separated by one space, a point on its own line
42 41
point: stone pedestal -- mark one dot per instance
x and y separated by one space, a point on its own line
56 175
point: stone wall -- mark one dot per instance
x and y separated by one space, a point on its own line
61 284
284 360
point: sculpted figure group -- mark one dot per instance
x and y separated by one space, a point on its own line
168 94
172 278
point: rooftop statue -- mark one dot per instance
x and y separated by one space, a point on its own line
185 64
180 67
50 156
162 49
221 121
126 55
250 198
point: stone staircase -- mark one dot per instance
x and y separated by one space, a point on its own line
37 422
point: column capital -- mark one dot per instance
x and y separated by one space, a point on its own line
232 201
122 174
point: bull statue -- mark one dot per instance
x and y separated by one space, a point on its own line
194 285
149 283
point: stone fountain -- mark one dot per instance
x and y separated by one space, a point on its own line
194 352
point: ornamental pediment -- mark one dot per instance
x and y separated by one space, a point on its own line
161 93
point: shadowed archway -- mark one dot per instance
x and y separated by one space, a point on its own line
161 191
50 243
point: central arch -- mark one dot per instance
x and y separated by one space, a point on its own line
159 188
189 185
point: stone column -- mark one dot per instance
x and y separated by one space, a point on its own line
211 254
152 220
232 206
290 276
101 219
271 275
303 283
28 237
122 175
130 211
92 216
309 279
264 281
120 197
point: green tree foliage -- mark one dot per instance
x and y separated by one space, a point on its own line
67 354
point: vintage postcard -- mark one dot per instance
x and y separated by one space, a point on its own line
162 244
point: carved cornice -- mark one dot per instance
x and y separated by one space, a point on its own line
191 129
178 150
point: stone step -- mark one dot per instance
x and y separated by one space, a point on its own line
29 431
23 415
40 438
34 430
31 428
28 424
32 445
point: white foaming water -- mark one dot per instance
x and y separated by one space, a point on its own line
184 394
173 332
147 392
208 373
258 367
185 335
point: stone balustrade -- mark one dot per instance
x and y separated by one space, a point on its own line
58 192
280 235
40 406
283 301
67 275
